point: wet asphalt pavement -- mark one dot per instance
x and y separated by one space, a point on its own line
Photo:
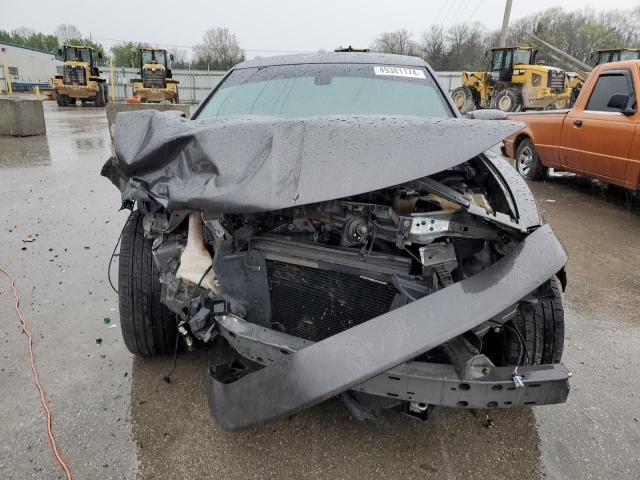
114 417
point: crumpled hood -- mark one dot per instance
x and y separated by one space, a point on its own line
254 164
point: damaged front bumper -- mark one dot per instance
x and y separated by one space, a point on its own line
376 356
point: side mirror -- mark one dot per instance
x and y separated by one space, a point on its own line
618 100
100 55
171 57
487 114
59 52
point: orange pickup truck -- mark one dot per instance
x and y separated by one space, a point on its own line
599 137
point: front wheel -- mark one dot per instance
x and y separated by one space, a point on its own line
148 326
62 100
100 98
528 162
541 328
463 99
507 100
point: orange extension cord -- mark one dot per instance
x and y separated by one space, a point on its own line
36 377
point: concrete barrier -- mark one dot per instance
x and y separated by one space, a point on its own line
114 108
21 117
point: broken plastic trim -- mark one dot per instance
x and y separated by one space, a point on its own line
329 367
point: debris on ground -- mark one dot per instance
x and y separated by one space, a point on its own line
28 239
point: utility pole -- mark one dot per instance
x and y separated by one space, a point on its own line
505 24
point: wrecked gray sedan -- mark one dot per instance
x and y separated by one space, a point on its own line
332 225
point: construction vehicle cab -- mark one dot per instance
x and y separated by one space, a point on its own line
503 60
80 79
155 83
515 82
617 55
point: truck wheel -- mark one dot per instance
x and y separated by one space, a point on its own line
463 99
148 326
99 100
541 326
72 101
528 162
62 100
507 100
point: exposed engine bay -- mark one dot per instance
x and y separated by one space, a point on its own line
313 271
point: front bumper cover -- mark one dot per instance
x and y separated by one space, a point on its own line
348 359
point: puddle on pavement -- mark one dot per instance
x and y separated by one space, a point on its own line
73 134
176 438
24 152
598 225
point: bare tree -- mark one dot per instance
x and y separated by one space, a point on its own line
66 32
432 46
180 58
219 49
398 42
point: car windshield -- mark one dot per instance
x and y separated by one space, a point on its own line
306 90
78 54
153 56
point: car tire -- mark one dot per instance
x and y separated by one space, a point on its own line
148 326
507 100
463 99
541 326
528 161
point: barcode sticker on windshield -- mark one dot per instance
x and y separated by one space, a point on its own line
399 72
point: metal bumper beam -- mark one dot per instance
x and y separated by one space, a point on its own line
327 368
437 384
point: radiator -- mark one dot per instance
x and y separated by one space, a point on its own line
315 304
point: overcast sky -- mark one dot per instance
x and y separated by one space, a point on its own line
264 27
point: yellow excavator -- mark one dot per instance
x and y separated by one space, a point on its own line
155 83
80 79
515 82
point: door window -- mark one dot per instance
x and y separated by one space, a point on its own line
608 84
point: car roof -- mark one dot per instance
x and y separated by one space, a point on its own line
334 57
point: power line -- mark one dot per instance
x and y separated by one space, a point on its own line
445 18
444 3
458 11
475 10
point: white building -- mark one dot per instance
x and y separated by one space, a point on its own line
27 67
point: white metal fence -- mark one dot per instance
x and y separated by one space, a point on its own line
196 84
193 88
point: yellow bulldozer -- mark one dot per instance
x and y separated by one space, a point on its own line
515 83
617 55
80 79
155 83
